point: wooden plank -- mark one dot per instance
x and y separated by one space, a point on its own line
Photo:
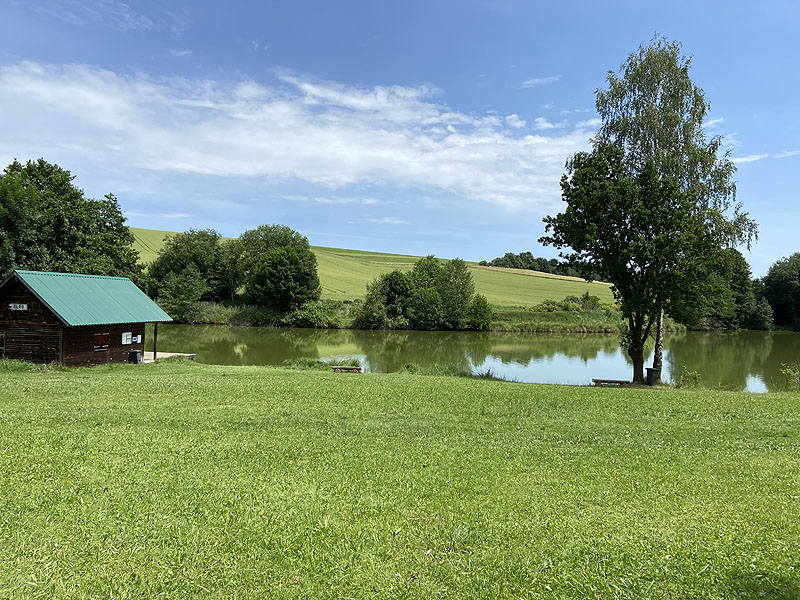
619 382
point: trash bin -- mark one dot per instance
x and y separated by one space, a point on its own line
135 357
652 376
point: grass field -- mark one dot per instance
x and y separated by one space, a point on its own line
182 480
344 275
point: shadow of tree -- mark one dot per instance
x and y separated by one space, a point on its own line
765 585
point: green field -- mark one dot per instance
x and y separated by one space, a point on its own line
182 480
344 275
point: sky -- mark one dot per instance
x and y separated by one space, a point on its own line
412 127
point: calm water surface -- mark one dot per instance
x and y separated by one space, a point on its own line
744 360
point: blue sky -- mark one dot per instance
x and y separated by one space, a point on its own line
413 127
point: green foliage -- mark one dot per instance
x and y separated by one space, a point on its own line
312 315
320 365
782 290
432 296
179 294
254 244
688 378
387 302
790 375
455 288
426 310
285 278
641 234
481 313
526 260
761 317
344 275
47 224
731 301
200 248
652 162
425 273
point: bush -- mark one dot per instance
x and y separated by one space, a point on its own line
790 375
311 316
180 294
285 278
688 379
481 313
426 310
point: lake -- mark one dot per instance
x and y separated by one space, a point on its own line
736 360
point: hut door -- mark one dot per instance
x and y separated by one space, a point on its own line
2 344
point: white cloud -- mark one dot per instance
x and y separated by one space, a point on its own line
542 123
786 154
326 134
537 81
176 52
515 121
713 122
387 221
750 158
591 123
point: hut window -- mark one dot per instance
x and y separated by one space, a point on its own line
127 337
101 340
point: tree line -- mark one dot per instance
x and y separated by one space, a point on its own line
270 265
526 260
434 295
48 224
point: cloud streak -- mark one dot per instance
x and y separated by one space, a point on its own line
322 133
537 81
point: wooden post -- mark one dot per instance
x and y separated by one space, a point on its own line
155 341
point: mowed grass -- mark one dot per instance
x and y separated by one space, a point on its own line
344 275
183 480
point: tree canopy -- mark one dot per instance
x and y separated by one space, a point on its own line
434 295
285 278
48 224
782 290
653 204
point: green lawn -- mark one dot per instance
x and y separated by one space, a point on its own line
344 275
183 480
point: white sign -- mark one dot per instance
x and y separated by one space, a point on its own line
18 306
126 337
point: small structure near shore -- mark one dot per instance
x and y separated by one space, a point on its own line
73 319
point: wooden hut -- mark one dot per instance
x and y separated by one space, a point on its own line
72 319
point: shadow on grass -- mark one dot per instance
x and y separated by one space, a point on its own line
761 584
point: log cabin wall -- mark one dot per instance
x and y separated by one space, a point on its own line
79 348
32 334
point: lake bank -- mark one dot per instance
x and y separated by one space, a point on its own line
341 314
191 480
731 360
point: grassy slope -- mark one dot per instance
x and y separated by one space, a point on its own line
345 273
249 482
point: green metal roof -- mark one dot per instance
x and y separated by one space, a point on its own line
92 299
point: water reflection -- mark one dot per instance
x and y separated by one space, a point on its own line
730 360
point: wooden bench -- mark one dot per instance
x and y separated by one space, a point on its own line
346 368
619 382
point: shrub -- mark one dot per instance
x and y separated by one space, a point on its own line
426 310
481 313
285 278
179 294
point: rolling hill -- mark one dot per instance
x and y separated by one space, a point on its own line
344 274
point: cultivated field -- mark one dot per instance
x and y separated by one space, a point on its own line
182 480
344 275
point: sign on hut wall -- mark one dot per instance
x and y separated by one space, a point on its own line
14 306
